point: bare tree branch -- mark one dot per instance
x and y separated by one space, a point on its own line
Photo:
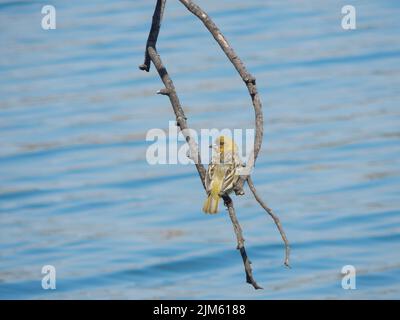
273 216
250 82
170 91
240 242
179 114
153 34
248 79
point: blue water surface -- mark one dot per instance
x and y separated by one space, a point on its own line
76 191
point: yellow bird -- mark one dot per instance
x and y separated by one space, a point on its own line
221 173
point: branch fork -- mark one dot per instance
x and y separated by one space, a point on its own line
163 91
151 55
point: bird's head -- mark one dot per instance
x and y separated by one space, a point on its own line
225 144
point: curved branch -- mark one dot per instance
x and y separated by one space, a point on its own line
170 91
273 216
248 79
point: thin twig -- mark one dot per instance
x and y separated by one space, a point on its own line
248 79
240 242
274 217
170 91
153 34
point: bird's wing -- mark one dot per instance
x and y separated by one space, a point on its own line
230 178
209 175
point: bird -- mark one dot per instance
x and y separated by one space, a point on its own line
221 173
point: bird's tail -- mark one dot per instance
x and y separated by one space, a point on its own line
211 203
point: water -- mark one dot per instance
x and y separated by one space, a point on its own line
76 191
